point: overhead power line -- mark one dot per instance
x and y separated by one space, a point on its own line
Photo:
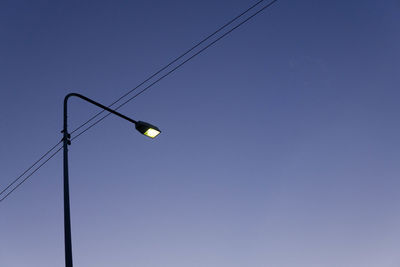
29 175
4 191
174 69
27 170
173 61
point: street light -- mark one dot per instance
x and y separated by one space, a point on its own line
143 127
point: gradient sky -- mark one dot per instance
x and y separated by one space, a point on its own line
280 144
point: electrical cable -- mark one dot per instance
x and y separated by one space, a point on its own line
35 170
152 76
33 165
172 62
177 67
140 92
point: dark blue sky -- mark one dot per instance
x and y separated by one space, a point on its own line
280 144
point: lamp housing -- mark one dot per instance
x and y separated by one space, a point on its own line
147 129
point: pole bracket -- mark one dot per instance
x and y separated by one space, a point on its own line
66 136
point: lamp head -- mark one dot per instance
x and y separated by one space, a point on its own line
147 129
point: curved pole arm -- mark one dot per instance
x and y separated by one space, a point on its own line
94 103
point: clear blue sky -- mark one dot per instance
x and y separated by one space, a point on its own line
280 144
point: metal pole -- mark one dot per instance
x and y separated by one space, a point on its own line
67 216
66 142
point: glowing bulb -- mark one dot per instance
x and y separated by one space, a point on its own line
152 132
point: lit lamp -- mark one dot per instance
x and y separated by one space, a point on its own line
147 129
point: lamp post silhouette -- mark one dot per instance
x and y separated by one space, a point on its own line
143 127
